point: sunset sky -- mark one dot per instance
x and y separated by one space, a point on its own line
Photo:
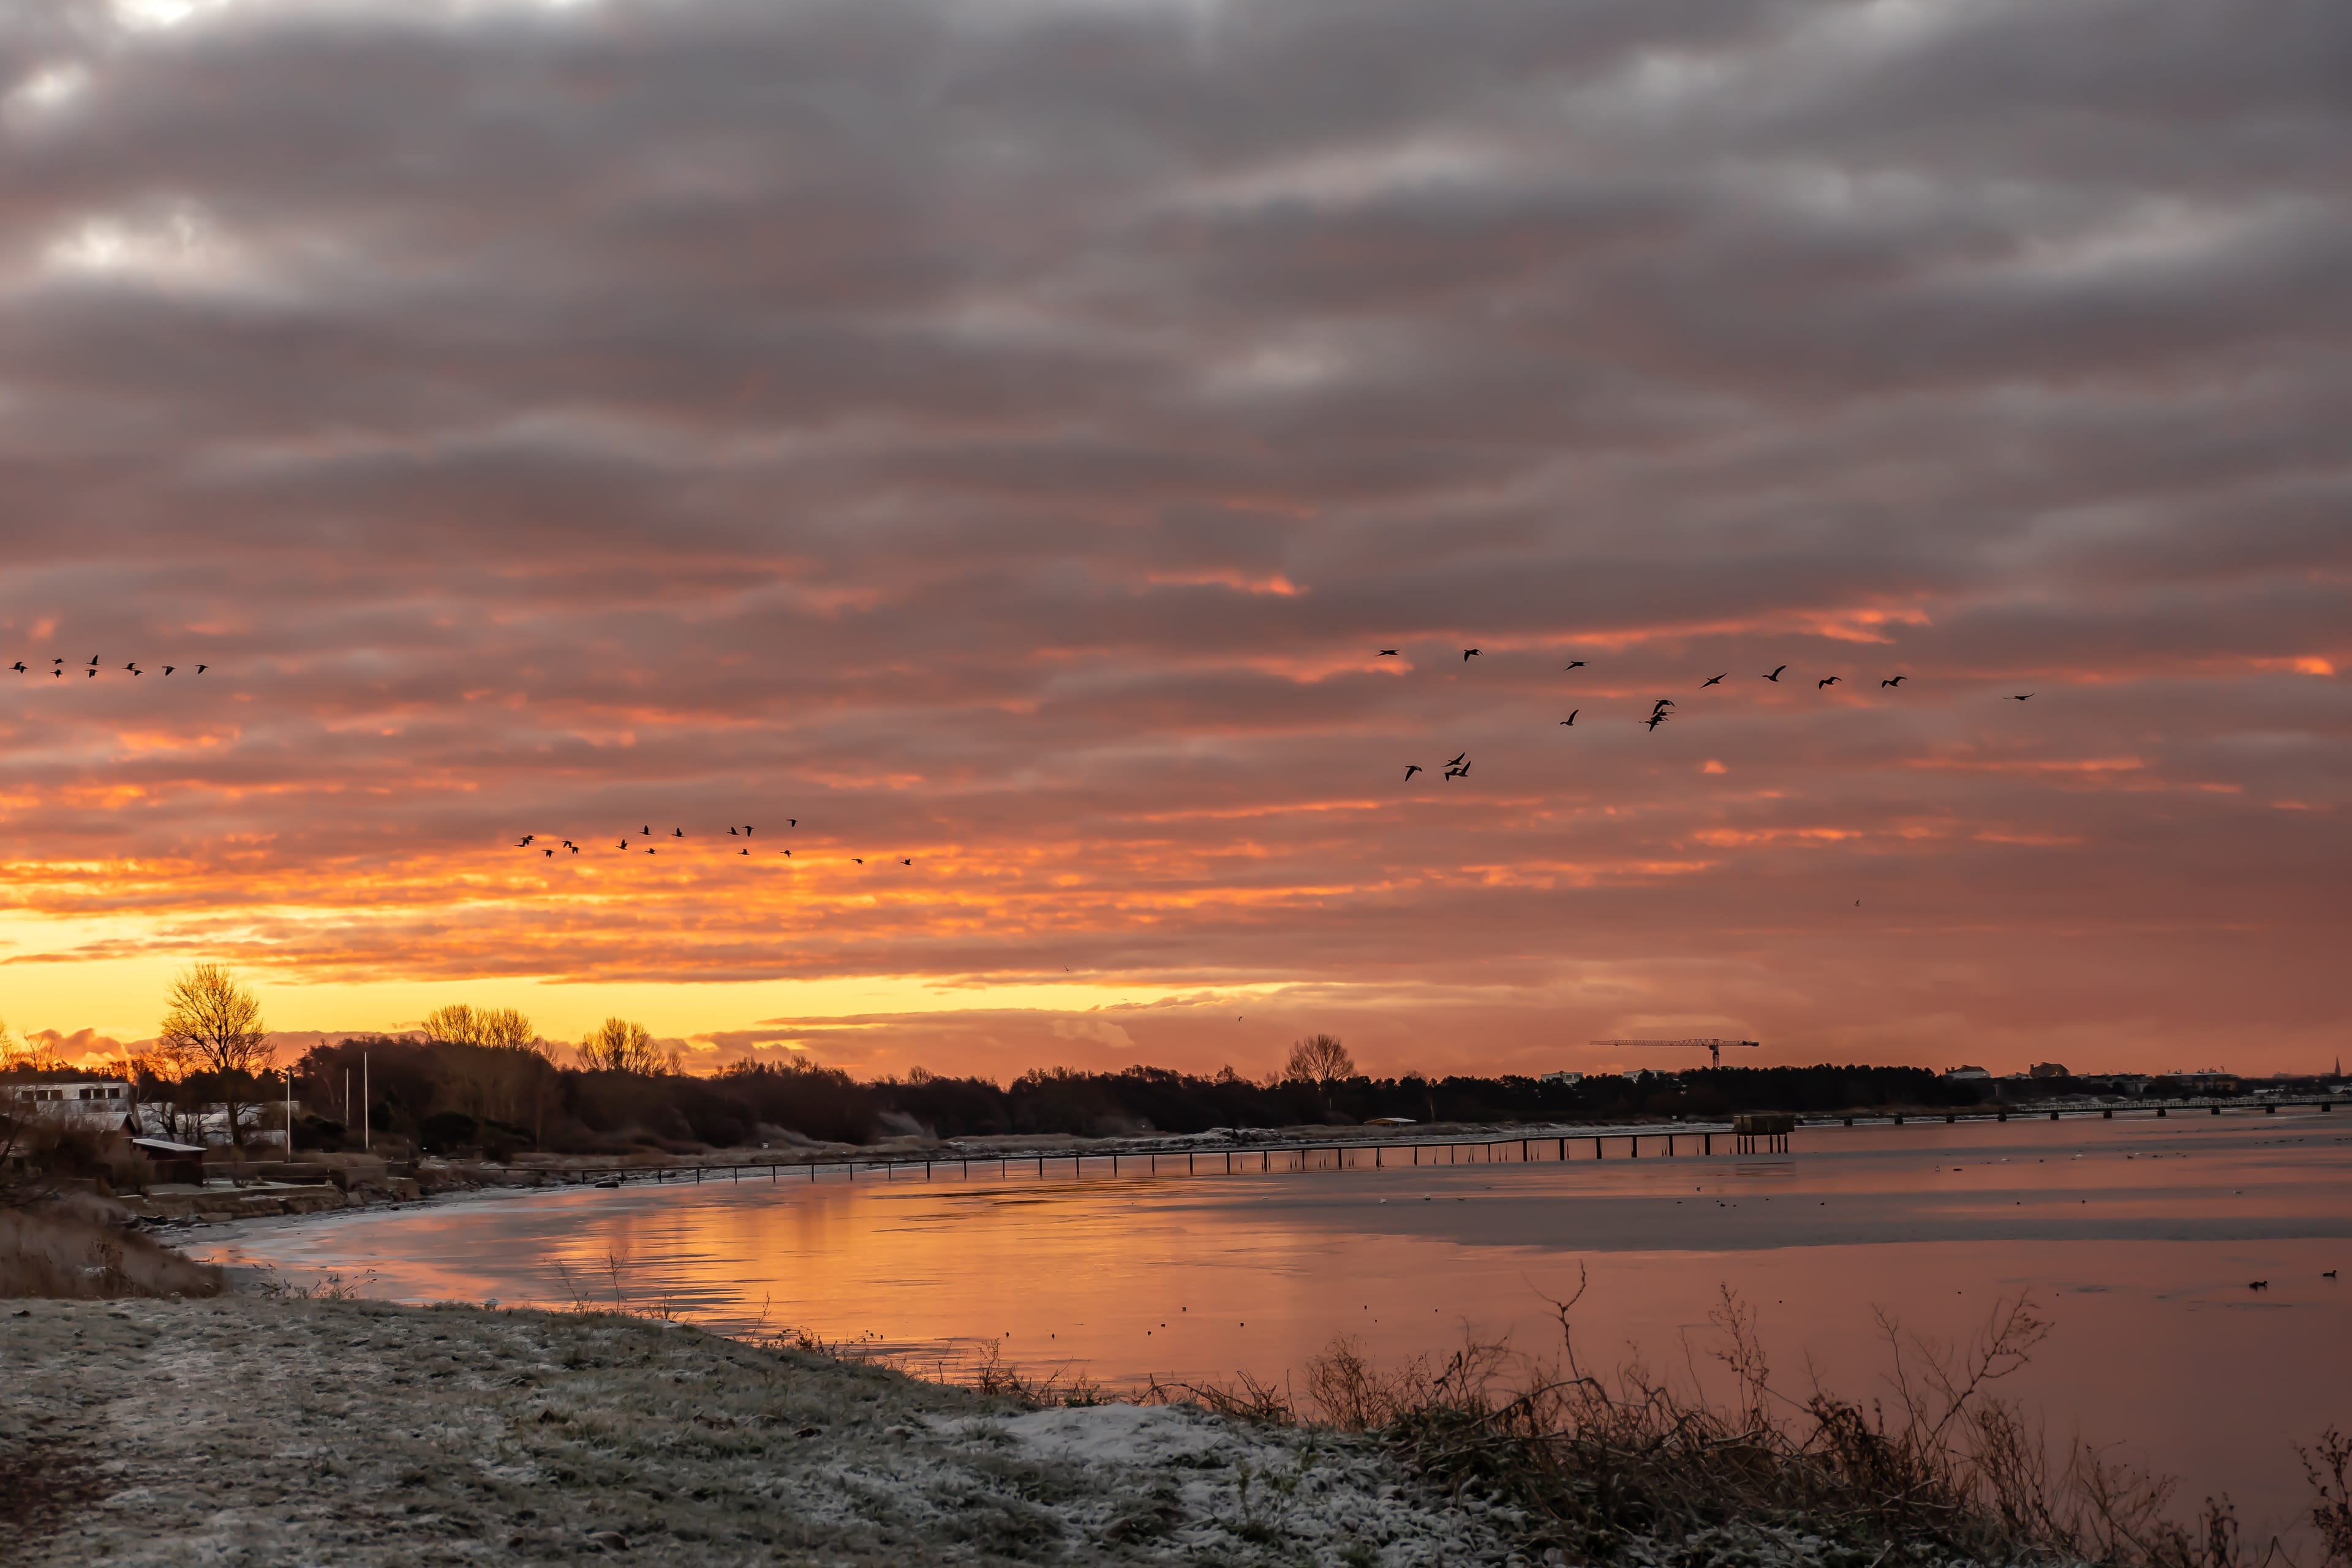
1000 432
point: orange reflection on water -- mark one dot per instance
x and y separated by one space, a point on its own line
2138 1240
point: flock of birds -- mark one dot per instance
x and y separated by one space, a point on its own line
90 669
1660 710
677 836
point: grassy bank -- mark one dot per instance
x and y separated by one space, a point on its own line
361 1433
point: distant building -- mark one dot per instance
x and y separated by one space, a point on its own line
1571 1078
1965 1073
2048 1070
104 1104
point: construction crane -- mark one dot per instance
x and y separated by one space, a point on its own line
1714 1049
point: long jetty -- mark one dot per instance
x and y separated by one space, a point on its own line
1742 1136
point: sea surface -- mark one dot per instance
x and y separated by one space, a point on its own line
2136 1240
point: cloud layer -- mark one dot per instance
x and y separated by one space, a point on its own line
999 436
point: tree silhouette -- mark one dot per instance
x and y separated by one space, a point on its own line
617 1045
216 1019
1318 1058
504 1028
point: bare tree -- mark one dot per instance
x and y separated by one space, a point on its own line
617 1045
216 1019
170 1064
503 1028
1318 1058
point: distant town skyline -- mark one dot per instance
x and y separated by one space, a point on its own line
1055 470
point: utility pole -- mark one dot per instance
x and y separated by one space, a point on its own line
364 1144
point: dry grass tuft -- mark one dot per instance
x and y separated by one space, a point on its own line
1944 1469
65 1250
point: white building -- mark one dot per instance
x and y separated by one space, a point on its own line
105 1104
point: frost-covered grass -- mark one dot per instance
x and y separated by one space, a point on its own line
362 1433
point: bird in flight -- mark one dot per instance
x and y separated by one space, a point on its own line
2022 697
1572 715
623 843
133 668
202 668
1410 768
788 853
1388 653
905 862
1469 654
1458 761
1662 704
170 668
747 830
524 842
1658 717
859 859
743 852
677 832
792 822
1776 674
91 673
730 833
20 667
1825 681
1896 680
645 832
1462 772
1572 664
93 661
1704 684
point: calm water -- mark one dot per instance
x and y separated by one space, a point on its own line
2136 1238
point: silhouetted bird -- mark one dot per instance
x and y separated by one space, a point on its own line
747 830
549 853
2022 697
93 661
2329 1275
1388 653
905 862
18 667
645 832
1895 681
792 822
1469 653
91 673
1572 664
1572 715
170 668
731 833
2258 1284
133 668
677 832
859 859
524 842
1410 768
1825 681
202 668
743 852
1662 704
1461 773
1656 720
788 852
1776 674
1458 761
573 848
1704 684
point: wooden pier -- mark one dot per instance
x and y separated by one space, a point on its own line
1750 1133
